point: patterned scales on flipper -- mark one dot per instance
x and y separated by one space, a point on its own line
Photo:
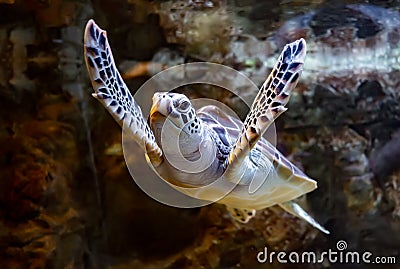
268 105
113 93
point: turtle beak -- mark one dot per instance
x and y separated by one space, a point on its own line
156 103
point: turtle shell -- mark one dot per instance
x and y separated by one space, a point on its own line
276 179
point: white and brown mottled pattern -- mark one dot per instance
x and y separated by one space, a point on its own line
113 93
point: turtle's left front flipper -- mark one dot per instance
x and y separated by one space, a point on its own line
296 210
269 104
113 93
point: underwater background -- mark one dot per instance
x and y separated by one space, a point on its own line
67 199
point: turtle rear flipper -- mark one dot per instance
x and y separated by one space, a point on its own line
296 210
113 93
241 215
268 105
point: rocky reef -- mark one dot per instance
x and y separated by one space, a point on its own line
67 199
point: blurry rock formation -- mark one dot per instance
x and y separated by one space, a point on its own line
66 197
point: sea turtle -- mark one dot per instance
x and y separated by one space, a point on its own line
256 172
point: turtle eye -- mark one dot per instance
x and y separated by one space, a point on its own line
184 105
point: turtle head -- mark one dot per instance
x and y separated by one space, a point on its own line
177 109
174 114
184 138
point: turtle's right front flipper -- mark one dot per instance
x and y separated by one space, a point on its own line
112 92
268 105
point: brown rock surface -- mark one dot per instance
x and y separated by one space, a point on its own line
68 201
